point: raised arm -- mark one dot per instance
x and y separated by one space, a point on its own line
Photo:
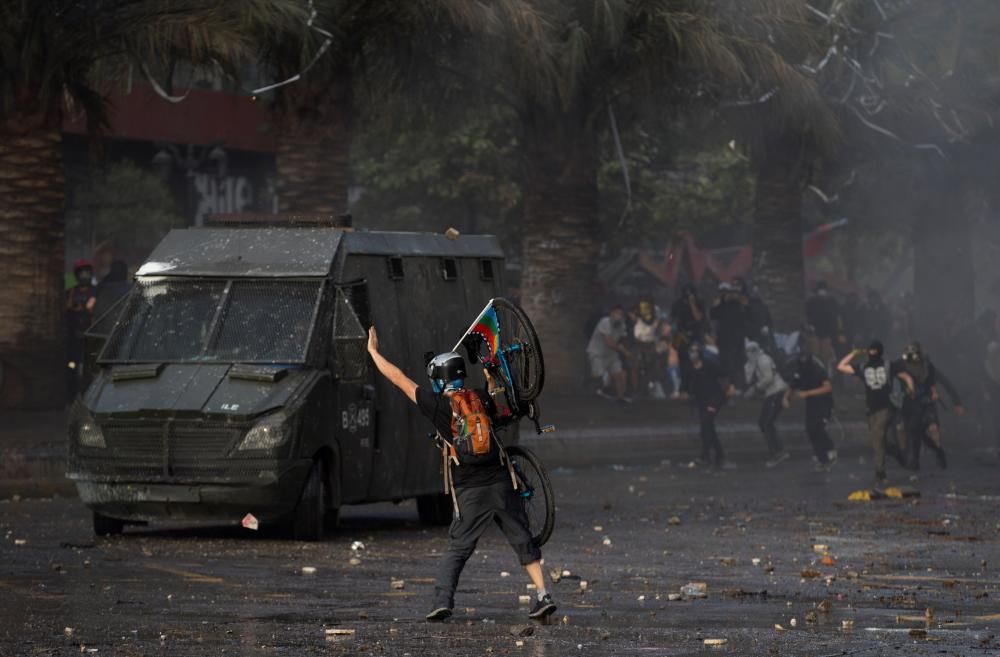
844 366
389 370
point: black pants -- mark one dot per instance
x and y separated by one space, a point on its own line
817 417
916 421
479 505
711 448
769 412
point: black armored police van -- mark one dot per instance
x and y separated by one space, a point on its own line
235 379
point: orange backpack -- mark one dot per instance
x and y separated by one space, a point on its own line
470 427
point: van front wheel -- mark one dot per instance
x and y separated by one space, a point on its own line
309 518
434 509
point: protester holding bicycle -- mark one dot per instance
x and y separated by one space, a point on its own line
483 480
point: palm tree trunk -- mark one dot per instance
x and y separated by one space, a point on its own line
560 250
32 197
313 153
778 263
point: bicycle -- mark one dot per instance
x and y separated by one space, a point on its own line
506 345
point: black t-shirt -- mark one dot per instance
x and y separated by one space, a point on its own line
437 409
732 318
683 316
809 375
877 376
706 387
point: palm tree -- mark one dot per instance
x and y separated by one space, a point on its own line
63 56
604 53
353 57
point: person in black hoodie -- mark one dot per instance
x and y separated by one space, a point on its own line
920 417
729 311
709 388
811 382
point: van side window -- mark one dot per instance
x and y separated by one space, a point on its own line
350 335
449 269
395 268
486 269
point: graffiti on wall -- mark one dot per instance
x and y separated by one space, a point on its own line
221 194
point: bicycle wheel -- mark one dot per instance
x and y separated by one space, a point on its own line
535 492
521 349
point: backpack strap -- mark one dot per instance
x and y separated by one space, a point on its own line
449 483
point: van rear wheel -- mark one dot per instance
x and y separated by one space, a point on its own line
105 526
434 509
309 518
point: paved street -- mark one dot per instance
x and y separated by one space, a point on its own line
910 577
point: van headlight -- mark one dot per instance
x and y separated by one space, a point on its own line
266 434
90 435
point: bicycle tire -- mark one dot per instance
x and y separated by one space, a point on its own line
526 363
533 481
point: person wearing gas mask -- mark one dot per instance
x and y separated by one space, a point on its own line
709 390
810 381
762 377
920 417
876 375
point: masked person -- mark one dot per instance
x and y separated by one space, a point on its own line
810 381
483 488
876 375
608 355
762 377
80 302
709 389
920 417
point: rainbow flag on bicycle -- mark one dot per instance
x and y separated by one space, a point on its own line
487 327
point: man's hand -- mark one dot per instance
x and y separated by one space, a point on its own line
372 341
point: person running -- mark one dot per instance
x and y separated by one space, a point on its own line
810 381
482 485
876 375
920 417
762 377
709 390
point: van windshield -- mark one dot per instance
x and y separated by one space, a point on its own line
245 321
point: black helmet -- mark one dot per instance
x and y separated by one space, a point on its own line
445 368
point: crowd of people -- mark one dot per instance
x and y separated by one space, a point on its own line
710 353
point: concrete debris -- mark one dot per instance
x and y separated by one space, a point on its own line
339 631
793 623
555 575
308 570
584 584
398 584
716 642
250 522
357 546
673 520
524 599
452 233
847 624
519 644
727 561
755 561
779 627
68 631
673 597
355 561
825 607
821 548
504 574
598 528
811 617
695 590
20 541
607 540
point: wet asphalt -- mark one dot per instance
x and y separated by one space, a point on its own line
906 577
